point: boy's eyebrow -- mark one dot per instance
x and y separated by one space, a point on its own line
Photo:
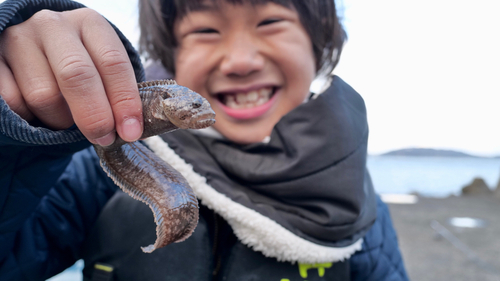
203 7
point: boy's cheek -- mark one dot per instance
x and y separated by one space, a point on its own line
186 72
191 68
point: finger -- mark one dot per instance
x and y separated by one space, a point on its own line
11 94
78 79
38 86
116 71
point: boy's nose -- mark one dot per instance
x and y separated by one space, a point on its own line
241 57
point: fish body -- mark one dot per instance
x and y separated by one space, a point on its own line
144 176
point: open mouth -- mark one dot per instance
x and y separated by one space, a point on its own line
245 100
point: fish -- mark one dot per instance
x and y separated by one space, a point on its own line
167 107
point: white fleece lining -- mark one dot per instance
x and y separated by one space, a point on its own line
252 229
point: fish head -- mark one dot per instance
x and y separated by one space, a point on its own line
186 109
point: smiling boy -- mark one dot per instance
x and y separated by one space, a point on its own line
281 176
258 64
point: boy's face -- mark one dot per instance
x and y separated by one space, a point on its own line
253 64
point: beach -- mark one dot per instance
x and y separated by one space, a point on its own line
434 249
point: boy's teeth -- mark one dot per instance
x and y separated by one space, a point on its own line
241 98
232 103
252 96
249 99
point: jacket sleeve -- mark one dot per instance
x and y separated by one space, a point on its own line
49 196
48 239
380 258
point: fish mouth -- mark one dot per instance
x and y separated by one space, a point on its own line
203 119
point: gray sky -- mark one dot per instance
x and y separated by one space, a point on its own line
429 71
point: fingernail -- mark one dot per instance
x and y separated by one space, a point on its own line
108 139
131 129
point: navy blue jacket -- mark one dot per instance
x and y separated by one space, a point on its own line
52 190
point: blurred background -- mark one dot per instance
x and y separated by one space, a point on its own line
428 70
429 73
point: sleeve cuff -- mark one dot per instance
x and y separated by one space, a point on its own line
13 127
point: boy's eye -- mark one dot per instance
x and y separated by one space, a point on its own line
269 21
205 30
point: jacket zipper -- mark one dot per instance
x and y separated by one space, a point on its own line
217 257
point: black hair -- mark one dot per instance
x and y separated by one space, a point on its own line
319 18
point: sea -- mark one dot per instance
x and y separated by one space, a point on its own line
430 176
422 175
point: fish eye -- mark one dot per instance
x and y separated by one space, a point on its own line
165 95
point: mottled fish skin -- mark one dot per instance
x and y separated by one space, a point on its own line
144 176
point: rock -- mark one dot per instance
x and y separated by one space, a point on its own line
477 187
497 190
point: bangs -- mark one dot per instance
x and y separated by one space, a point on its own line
186 6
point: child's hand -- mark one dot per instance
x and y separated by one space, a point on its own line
70 67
